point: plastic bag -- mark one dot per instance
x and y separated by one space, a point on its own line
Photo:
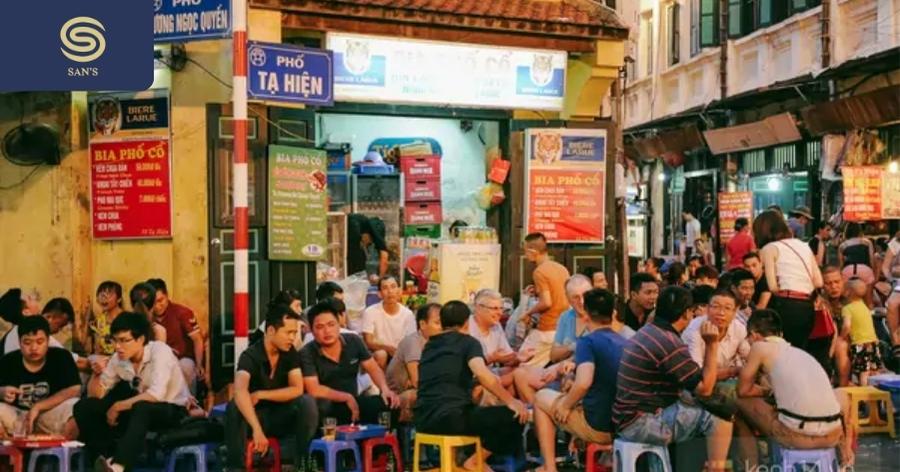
356 287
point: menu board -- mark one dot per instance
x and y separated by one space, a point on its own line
566 187
733 205
298 226
890 195
131 189
862 192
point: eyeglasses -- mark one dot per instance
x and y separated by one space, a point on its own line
487 307
118 341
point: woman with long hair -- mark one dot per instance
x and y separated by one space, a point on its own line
792 274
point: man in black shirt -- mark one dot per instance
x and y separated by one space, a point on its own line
451 361
268 392
761 295
639 307
40 382
330 366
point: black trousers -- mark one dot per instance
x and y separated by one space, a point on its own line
370 407
797 318
298 418
126 439
496 426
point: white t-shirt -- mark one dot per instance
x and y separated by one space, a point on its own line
733 348
388 329
494 341
692 232
159 374
794 265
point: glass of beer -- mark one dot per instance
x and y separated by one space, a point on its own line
329 430
384 419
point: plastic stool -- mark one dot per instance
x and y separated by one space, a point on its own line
446 444
331 449
590 462
63 455
871 396
196 450
506 464
15 457
274 449
369 446
626 455
825 460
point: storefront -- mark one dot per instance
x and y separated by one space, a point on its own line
418 131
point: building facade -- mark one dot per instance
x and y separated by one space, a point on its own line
704 77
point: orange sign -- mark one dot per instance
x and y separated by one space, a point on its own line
862 193
733 205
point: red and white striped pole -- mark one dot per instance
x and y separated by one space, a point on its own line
239 191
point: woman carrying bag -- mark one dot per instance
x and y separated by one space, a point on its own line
792 274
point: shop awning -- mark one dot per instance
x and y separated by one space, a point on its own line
866 110
569 25
679 141
776 129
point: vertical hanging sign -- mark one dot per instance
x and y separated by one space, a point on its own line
566 184
298 229
131 190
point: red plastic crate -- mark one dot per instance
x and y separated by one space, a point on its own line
425 189
427 213
420 166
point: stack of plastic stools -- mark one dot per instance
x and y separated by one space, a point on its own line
274 449
590 461
820 460
626 455
63 456
15 457
331 449
368 451
198 451
446 444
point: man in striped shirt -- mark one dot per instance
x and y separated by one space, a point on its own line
656 366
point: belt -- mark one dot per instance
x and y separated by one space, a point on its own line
792 295
812 419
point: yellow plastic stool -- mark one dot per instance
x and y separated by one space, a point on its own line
871 396
446 444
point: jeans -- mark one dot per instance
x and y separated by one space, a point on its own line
126 439
676 423
298 418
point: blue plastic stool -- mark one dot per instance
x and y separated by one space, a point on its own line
196 450
825 460
331 449
505 463
626 455
63 455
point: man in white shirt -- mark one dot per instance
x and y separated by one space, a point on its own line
692 231
484 325
141 389
385 324
733 346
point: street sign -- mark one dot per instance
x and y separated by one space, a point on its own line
286 73
190 20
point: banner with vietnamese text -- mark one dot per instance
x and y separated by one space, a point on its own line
862 192
733 205
566 184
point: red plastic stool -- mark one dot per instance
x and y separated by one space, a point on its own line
593 449
369 446
275 450
15 457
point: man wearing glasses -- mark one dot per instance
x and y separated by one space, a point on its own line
484 326
141 389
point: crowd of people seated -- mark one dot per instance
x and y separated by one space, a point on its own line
701 356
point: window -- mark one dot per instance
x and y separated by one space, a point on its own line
708 20
647 42
674 13
695 27
771 12
741 17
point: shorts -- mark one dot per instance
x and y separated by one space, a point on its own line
52 421
576 424
542 343
862 271
678 422
865 357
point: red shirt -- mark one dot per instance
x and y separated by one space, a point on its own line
740 244
179 322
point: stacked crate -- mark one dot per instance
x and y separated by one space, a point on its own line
422 183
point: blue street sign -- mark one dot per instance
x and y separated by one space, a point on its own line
282 72
190 20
